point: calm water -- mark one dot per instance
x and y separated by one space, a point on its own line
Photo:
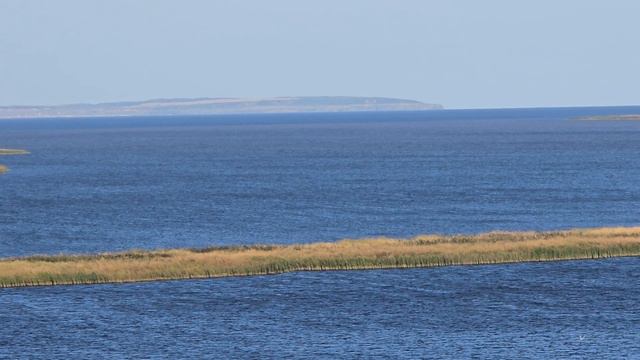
582 310
111 184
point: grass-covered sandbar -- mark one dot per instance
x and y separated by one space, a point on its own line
3 168
372 253
625 117
13 152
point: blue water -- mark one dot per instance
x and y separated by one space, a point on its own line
113 184
580 310
119 183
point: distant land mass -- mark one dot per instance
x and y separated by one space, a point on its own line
211 106
626 117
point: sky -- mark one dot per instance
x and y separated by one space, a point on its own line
461 54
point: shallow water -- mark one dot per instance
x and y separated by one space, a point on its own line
112 184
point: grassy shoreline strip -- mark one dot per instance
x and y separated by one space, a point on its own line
3 168
13 152
373 253
612 117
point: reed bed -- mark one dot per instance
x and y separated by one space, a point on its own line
3 168
13 152
371 253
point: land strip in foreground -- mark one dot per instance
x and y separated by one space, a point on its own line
372 253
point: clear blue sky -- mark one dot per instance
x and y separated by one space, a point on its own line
461 54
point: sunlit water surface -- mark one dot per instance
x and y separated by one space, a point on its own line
113 184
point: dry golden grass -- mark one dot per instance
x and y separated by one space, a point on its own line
3 168
623 117
13 152
373 253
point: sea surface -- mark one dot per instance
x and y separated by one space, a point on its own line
109 184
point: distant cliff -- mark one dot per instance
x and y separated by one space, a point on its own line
207 106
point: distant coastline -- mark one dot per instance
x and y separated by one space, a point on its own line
213 106
375 253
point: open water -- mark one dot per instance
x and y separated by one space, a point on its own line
107 184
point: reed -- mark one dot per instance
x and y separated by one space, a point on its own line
3 168
13 152
371 253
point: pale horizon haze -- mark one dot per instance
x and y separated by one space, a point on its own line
461 54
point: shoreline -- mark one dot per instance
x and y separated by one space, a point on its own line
623 117
3 152
218 106
13 152
364 254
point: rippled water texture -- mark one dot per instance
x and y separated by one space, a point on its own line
112 184
581 309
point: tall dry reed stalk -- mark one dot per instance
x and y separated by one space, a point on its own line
372 253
